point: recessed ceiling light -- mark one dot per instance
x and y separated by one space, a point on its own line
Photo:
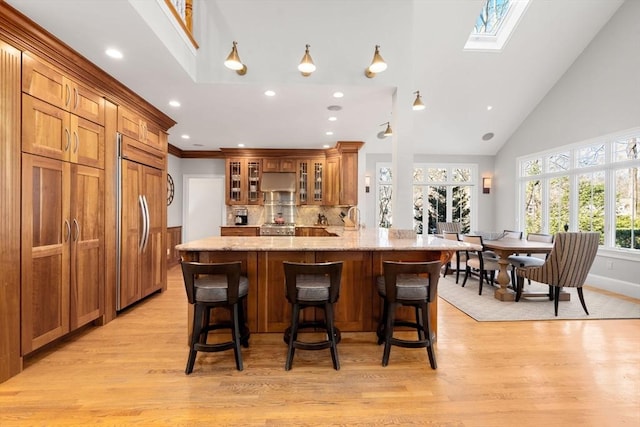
114 53
489 107
185 136
487 136
328 133
334 108
338 94
333 119
174 103
326 146
270 93
240 145
197 145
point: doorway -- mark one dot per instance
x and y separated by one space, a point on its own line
203 208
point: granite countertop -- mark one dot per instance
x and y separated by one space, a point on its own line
346 240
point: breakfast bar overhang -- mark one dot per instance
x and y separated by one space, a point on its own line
362 252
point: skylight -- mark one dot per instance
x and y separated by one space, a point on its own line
495 24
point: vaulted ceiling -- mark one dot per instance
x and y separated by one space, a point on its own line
421 40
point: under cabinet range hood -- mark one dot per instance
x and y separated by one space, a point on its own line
278 181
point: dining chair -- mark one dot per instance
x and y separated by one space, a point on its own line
458 256
452 227
480 262
568 265
408 284
312 285
210 286
528 260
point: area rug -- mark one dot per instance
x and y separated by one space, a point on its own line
485 308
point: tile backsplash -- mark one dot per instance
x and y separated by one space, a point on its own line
305 215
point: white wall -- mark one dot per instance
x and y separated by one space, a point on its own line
598 95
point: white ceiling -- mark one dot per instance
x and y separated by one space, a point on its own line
421 40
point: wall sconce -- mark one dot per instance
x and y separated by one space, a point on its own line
486 185
367 183
306 66
418 105
233 61
388 131
377 64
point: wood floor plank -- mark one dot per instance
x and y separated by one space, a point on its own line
131 372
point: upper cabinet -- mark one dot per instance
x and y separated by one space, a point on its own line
138 127
243 181
44 82
323 177
278 165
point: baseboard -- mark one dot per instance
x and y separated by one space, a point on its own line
613 285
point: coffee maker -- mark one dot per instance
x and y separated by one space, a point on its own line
240 216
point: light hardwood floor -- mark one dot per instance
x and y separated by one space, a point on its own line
131 372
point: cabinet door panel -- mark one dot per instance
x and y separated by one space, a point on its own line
353 310
44 82
274 313
87 245
131 233
85 103
45 250
87 142
45 129
153 254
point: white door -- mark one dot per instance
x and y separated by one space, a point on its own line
203 207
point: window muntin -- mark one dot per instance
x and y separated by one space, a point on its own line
440 193
588 186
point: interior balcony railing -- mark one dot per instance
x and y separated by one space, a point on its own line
183 12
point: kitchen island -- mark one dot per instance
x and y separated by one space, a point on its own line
362 251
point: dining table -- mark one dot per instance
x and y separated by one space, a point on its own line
508 246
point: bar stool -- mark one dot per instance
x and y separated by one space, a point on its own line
216 285
407 284
312 285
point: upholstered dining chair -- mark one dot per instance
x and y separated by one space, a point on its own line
528 260
480 263
457 258
568 265
412 284
210 286
451 227
312 285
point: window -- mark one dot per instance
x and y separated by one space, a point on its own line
591 186
440 193
495 23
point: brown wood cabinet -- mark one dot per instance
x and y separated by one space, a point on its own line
43 81
143 259
52 132
239 231
10 212
310 176
313 232
278 165
138 127
242 181
62 248
174 237
58 198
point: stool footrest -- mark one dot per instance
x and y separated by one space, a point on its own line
210 348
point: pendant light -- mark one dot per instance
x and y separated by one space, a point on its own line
306 66
233 61
377 64
418 105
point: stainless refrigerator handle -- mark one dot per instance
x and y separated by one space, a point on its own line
144 224
146 209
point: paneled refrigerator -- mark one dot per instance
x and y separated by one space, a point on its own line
140 257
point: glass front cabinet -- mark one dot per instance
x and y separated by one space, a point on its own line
243 181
